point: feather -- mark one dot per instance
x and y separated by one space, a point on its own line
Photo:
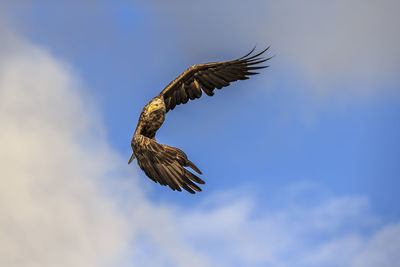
194 177
196 89
183 96
204 82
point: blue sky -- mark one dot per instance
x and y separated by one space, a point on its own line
301 160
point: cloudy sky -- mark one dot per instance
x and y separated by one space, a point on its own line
301 162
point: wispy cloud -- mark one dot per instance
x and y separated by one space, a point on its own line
247 234
68 199
350 47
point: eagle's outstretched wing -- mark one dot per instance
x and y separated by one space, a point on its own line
165 165
207 77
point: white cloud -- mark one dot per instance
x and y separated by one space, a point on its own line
67 199
372 253
53 211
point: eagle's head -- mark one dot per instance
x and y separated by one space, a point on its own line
155 104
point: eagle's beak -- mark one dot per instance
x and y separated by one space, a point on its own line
131 159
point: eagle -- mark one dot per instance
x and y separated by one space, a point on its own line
165 164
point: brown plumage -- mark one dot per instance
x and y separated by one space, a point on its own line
165 164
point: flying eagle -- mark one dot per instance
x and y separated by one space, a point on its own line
165 164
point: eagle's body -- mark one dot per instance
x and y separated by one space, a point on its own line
165 164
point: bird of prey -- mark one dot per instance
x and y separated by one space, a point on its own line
165 164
